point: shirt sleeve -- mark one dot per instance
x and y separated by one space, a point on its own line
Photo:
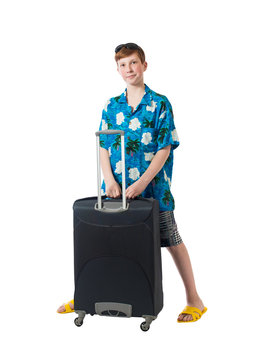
167 134
104 126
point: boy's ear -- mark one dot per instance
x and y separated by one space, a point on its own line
145 65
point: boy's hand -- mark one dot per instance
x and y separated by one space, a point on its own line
113 189
135 189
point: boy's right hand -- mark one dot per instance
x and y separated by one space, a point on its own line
113 189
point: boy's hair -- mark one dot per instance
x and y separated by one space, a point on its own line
124 52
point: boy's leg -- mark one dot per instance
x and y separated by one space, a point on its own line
183 264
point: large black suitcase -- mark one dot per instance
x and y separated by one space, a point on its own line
117 256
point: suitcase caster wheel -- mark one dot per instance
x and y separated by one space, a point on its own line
144 326
78 322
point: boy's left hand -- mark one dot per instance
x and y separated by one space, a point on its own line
135 189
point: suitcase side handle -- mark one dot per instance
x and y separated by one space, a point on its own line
99 205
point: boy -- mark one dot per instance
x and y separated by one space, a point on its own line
150 138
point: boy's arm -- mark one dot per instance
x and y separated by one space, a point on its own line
156 165
113 189
106 165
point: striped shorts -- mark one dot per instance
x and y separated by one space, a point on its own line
169 235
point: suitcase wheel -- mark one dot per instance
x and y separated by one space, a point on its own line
144 326
78 321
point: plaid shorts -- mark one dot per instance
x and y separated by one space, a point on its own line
169 235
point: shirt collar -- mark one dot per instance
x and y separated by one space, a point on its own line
147 97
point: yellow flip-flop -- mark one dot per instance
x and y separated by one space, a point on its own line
195 312
67 307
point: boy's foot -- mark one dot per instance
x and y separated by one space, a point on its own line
187 317
64 308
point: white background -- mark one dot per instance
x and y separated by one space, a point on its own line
211 59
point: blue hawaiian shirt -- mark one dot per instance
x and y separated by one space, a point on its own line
148 128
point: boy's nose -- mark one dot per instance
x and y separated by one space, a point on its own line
129 68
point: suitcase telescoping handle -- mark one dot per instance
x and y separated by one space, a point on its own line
113 206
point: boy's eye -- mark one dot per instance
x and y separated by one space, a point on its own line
133 62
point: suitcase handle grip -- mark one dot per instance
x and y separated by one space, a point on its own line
109 132
124 202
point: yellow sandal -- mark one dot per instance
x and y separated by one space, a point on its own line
67 307
195 312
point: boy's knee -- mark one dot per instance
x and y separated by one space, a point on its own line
173 248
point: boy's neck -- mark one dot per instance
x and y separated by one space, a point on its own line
135 91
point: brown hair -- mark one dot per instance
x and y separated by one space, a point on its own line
124 52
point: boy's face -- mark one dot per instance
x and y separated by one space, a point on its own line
131 69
